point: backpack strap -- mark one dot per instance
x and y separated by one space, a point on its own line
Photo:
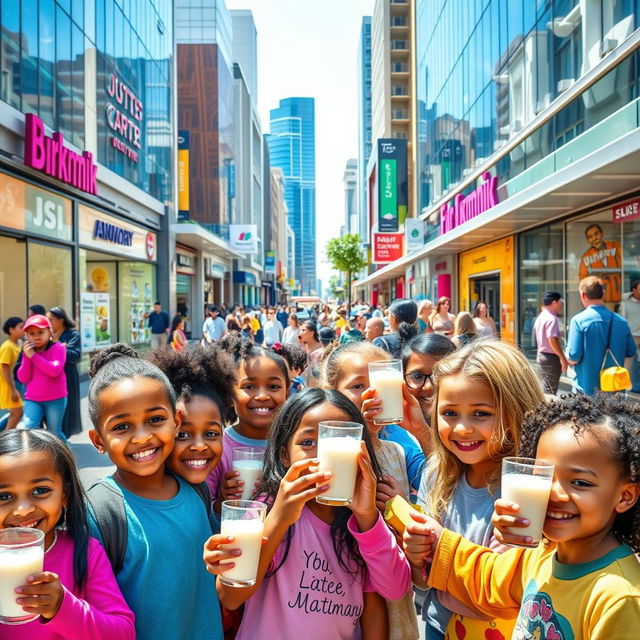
107 503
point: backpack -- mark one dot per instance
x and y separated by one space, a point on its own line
108 507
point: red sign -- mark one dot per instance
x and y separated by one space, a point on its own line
150 245
626 211
387 247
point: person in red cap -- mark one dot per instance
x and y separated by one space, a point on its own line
42 371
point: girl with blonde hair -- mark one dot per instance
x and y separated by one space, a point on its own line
482 393
464 329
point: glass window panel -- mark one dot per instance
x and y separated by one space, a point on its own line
10 85
13 277
90 18
29 56
78 86
64 94
50 276
77 12
47 55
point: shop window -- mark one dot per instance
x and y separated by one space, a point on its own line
137 293
541 269
13 278
50 276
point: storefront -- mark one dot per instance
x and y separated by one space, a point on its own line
186 286
486 274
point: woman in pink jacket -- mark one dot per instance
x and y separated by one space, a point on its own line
42 371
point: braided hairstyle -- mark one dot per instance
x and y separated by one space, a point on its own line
595 415
198 371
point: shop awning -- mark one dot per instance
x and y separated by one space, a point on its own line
605 175
196 236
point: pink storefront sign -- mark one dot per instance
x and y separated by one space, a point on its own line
50 155
465 208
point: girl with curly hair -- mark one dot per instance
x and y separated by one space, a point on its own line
583 580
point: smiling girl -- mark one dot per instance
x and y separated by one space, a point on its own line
76 596
482 393
135 421
262 385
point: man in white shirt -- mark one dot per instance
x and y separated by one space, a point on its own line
630 311
214 327
272 328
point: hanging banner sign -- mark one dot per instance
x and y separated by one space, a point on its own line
243 238
414 234
387 247
183 175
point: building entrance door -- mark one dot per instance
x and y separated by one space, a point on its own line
486 287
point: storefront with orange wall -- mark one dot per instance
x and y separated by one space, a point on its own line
487 273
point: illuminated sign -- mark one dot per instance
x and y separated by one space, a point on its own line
49 155
124 117
465 208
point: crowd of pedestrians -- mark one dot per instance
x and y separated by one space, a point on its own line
145 555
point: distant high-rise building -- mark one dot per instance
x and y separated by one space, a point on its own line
245 48
292 147
364 125
350 180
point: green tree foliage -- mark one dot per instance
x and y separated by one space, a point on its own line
345 254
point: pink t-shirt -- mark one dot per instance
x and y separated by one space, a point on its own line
312 596
230 440
546 326
99 612
43 374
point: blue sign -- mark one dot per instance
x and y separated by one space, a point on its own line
111 233
243 277
232 179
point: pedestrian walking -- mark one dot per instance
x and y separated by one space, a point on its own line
441 319
64 332
373 329
10 398
425 309
594 331
630 311
178 337
546 334
465 329
403 314
485 324
159 323
272 328
292 330
214 327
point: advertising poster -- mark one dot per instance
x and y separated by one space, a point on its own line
95 321
387 247
137 291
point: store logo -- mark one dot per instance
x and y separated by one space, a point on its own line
244 237
49 155
124 117
150 245
111 233
468 207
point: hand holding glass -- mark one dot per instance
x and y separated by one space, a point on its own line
385 376
527 483
247 461
338 450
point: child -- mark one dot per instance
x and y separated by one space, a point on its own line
582 581
321 565
9 351
164 521
297 360
76 596
204 382
262 386
42 371
483 392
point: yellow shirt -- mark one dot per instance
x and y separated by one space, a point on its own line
255 324
9 352
597 600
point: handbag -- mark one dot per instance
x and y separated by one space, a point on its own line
613 378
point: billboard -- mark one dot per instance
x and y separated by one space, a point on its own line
243 238
183 175
392 183
387 247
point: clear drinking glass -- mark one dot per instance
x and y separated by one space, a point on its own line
248 462
21 554
385 376
528 484
244 520
338 449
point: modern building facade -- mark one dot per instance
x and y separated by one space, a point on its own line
292 148
364 125
528 153
350 181
87 136
279 215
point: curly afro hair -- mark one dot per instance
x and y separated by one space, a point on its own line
198 371
596 415
295 355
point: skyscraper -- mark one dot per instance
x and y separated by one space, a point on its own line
364 125
292 146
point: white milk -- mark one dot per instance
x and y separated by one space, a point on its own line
388 385
340 456
250 472
531 493
15 566
248 538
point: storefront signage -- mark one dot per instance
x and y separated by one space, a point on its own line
465 208
243 238
414 234
213 269
49 155
243 277
101 232
627 211
440 266
387 247
183 175
185 260
124 117
270 261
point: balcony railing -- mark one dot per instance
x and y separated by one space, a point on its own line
221 230
399 45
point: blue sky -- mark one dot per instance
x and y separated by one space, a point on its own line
310 48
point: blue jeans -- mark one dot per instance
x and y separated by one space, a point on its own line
52 411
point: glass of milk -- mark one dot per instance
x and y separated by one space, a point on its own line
338 449
244 520
385 376
247 461
528 484
21 554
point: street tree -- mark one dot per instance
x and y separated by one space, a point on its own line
345 254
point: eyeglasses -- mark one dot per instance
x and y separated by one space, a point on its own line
417 379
